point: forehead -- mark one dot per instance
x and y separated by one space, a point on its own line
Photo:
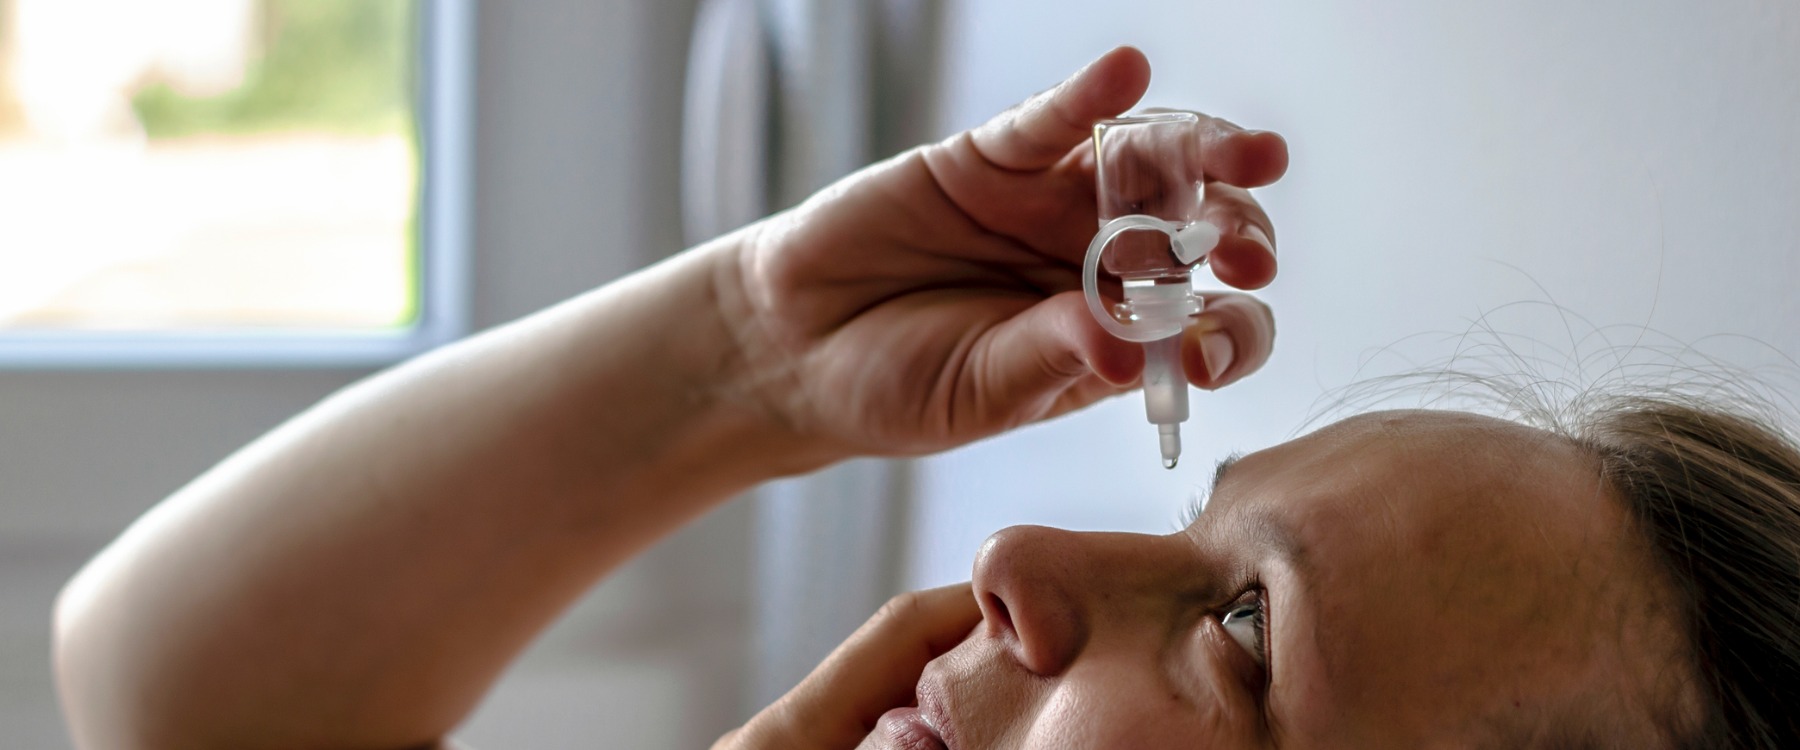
1421 470
1447 556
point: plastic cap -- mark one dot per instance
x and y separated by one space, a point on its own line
1195 240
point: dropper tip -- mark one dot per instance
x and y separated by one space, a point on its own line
1169 463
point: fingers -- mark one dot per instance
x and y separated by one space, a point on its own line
1053 358
1234 159
877 669
1019 369
1228 341
1245 158
1226 152
1245 255
882 660
1041 131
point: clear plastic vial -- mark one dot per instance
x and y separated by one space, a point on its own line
1144 165
1151 238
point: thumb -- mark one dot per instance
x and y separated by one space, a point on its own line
1033 364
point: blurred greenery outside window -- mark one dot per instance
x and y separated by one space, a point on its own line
245 167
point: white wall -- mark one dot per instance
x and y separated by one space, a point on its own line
1634 161
576 165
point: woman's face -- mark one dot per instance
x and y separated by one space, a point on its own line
1403 579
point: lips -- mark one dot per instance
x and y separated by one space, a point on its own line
906 729
932 711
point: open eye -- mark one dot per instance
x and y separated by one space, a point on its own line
1246 622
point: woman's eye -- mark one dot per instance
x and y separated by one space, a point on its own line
1246 623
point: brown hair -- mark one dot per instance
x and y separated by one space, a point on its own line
1718 495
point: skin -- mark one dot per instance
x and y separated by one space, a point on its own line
1431 578
360 576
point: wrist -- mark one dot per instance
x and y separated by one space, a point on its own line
736 380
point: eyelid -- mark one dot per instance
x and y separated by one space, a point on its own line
1258 596
1262 627
1236 666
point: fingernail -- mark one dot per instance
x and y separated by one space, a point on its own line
1251 231
1208 323
1216 348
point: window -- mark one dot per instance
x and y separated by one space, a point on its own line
231 182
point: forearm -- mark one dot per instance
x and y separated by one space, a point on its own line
360 575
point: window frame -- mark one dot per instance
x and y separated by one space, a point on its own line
445 113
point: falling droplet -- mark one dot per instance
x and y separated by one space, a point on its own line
1168 463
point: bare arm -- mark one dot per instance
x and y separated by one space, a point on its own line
359 576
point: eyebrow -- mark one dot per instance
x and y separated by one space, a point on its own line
1264 526
1223 466
1198 504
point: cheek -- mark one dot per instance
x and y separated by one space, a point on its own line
1094 706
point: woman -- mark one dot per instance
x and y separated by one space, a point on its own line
358 577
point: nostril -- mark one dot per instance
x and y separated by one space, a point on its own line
995 612
1028 582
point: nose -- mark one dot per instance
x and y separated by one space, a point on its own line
1041 589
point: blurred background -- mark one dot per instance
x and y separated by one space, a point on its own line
207 164
1535 179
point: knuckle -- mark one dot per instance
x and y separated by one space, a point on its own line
731 740
900 608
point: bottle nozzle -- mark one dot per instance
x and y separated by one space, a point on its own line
1165 395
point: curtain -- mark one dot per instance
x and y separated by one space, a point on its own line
783 97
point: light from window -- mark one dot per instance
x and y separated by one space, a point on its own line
239 166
